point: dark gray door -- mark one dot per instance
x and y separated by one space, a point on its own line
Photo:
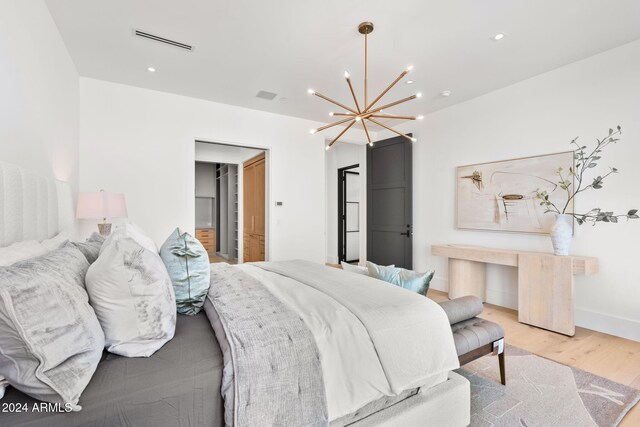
389 203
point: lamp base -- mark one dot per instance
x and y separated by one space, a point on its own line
104 229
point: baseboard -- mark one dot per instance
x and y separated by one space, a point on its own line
494 296
608 323
594 320
502 299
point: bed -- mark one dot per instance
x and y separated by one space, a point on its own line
276 341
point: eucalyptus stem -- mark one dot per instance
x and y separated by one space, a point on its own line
584 163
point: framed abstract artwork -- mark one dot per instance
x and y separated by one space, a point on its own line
500 196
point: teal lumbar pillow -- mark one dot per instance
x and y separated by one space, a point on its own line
187 262
407 279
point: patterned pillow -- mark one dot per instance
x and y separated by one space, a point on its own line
50 339
407 279
131 230
187 262
132 295
91 247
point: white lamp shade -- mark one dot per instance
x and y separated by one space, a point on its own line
101 204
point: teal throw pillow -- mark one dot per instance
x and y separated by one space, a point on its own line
188 265
407 279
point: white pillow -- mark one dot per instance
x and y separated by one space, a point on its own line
131 230
356 268
20 251
132 295
55 242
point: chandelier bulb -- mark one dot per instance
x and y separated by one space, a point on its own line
312 131
418 95
413 140
327 147
311 91
371 144
420 117
358 118
331 114
409 68
346 74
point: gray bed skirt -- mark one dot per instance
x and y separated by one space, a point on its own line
178 386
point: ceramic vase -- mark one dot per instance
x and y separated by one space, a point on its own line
561 234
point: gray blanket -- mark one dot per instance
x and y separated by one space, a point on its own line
273 359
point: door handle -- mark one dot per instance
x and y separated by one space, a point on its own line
408 233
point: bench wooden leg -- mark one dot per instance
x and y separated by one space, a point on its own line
503 377
498 348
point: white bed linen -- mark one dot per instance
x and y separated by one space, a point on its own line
352 371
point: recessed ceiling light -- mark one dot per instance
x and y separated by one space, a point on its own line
151 69
445 93
409 82
498 37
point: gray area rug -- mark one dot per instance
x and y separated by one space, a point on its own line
541 393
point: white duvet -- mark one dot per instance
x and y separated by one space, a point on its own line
374 339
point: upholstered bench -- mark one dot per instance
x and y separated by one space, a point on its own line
474 337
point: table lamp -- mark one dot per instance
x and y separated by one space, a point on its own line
101 204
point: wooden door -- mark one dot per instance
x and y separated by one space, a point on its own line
254 209
389 203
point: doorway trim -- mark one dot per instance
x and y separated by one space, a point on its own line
267 154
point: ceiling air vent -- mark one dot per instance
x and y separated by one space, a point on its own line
263 94
162 40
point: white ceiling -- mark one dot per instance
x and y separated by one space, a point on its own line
287 46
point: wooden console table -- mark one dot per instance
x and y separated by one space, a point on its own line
545 281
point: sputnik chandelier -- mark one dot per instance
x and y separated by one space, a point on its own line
366 112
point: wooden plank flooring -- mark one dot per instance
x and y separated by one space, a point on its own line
615 358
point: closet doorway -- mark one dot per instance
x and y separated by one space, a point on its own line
231 202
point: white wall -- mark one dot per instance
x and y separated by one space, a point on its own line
39 93
220 153
141 142
344 154
538 116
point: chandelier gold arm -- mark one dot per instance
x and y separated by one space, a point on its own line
345 114
355 99
388 116
390 128
409 98
326 98
368 107
342 133
366 132
366 71
339 122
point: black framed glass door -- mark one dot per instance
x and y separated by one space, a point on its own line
349 214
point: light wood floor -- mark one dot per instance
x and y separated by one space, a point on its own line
617 359
217 258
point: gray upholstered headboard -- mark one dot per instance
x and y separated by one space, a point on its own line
32 206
